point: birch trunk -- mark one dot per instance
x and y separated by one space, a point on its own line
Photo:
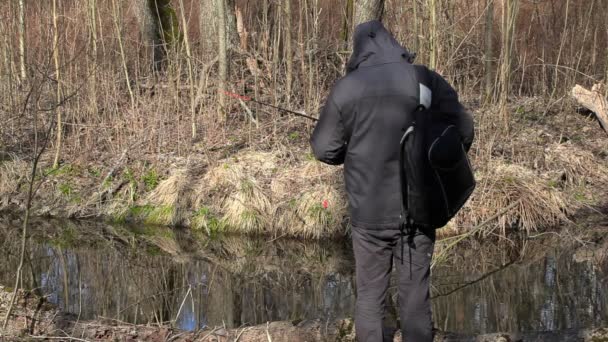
22 56
208 27
223 58
58 92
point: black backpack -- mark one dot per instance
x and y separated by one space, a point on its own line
435 172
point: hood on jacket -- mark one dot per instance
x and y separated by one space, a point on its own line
373 45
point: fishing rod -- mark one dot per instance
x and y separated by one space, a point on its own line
251 99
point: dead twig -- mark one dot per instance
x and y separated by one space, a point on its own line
240 333
268 332
61 338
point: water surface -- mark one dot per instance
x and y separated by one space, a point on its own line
148 274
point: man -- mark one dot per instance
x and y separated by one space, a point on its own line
361 126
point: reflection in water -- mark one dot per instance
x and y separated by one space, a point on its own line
159 275
552 294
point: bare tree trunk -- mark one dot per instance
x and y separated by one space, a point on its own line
288 49
159 26
559 53
151 33
223 58
433 34
208 27
145 18
489 50
58 79
231 31
93 79
190 70
22 56
509 18
348 20
416 29
366 10
116 15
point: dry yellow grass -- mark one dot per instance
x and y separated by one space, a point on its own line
310 201
540 205
236 186
247 209
254 196
10 174
575 166
171 199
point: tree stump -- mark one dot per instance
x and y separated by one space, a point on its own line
595 101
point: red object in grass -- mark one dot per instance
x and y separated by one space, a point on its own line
325 204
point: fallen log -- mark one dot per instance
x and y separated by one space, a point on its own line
595 101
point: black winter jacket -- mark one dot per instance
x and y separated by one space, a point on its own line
364 119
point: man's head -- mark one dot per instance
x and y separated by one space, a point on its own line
374 44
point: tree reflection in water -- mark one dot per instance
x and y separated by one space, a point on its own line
150 275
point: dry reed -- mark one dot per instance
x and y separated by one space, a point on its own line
540 205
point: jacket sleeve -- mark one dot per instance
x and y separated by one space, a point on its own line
328 140
445 101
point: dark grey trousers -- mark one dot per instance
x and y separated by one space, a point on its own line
375 251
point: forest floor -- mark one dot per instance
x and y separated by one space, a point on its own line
554 164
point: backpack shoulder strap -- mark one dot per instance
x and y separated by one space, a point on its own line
425 92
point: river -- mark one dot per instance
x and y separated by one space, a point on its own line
153 274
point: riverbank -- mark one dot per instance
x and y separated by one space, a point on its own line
552 164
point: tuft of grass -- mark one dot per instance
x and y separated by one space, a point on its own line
141 212
94 171
65 189
129 176
317 212
149 214
294 136
150 179
312 201
172 198
239 183
204 219
12 175
67 169
162 215
248 209
540 205
107 183
575 166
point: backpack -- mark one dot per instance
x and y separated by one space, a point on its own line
435 172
